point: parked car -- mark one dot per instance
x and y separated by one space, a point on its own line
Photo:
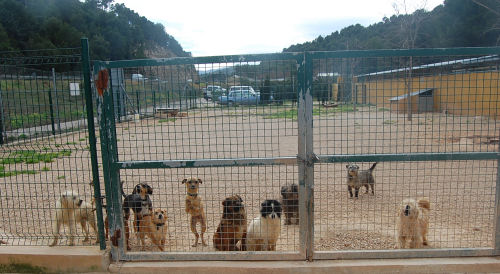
241 95
210 90
138 77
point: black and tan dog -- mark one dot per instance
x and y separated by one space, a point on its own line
233 225
140 203
194 207
357 178
290 203
153 226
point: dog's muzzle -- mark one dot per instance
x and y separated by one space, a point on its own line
407 210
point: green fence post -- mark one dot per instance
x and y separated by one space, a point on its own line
92 139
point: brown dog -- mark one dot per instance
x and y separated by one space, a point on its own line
290 202
413 223
153 227
233 225
194 207
160 221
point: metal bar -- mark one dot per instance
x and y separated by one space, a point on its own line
497 206
213 256
459 156
309 149
301 149
199 60
405 52
403 253
92 140
51 106
206 163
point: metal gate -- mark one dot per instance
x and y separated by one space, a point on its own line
302 127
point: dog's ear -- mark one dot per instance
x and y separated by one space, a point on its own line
224 202
283 190
150 189
347 166
199 181
184 181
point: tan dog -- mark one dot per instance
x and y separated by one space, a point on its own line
70 209
194 207
154 228
233 225
160 222
413 223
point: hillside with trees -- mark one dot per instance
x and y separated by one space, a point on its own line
115 32
456 23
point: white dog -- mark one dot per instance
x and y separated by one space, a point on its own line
69 210
413 222
265 229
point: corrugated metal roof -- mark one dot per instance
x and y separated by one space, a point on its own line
397 98
467 61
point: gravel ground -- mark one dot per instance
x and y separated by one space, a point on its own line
462 193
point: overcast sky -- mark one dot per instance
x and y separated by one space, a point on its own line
223 27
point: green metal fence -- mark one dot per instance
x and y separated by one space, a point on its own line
45 145
429 118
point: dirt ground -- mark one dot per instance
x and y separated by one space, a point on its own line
462 193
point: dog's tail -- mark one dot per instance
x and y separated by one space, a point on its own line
424 203
373 166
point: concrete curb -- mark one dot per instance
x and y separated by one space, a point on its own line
57 259
436 265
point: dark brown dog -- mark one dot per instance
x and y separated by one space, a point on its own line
233 225
194 207
290 202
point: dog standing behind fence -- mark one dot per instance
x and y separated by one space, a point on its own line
70 209
194 207
413 223
357 178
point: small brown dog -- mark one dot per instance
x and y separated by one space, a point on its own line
290 202
233 225
194 207
357 178
413 222
160 221
154 228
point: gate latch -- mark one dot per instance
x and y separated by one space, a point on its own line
311 159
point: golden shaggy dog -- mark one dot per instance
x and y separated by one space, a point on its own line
413 223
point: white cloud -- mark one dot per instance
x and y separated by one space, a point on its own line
235 27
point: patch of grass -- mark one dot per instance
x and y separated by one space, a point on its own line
383 109
317 111
21 268
389 122
166 120
46 168
19 121
61 177
33 157
4 173
71 143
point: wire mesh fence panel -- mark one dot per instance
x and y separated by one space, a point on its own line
367 140
391 110
44 147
